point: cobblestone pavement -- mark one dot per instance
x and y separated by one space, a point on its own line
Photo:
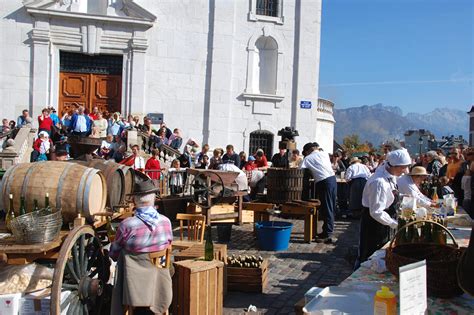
294 271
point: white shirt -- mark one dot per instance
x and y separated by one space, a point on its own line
81 124
357 170
466 186
139 163
319 164
406 186
44 146
378 195
241 179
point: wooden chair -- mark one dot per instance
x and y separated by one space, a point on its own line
196 224
156 258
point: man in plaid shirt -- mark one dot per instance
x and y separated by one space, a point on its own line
147 231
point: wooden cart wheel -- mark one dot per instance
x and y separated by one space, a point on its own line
206 193
82 269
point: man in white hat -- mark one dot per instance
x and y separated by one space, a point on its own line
409 184
379 201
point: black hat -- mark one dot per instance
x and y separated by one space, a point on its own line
309 146
144 188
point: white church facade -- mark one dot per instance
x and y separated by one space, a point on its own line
223 71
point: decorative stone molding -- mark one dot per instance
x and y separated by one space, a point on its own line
120 31
325 111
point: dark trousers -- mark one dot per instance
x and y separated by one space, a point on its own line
326 191
373 236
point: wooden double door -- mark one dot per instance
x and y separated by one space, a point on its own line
89 90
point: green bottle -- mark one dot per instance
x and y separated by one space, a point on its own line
10 215
35 203
208 247
22 206
46 203
110 230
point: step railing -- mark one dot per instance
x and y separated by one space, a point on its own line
20 152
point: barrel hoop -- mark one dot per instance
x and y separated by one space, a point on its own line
90 178
26 180
6 183
60 185
80 190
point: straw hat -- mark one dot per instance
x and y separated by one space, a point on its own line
354 160
418 171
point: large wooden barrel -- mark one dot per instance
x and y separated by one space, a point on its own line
114 177
129 174
284 184
73 188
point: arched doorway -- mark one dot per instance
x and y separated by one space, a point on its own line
261 139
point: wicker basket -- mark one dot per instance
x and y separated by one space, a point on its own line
39 226
441 262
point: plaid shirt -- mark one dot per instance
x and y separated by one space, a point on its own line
135 237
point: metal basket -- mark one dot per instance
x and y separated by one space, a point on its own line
39 226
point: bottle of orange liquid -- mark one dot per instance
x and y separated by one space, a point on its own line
385 302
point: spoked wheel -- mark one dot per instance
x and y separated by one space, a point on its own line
207 193
82 269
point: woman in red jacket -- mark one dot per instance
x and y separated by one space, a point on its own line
45 122
152 166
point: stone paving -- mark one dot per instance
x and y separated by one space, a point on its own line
294 271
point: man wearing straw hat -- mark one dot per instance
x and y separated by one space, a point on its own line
409 184
138 282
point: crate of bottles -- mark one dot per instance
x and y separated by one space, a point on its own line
247 273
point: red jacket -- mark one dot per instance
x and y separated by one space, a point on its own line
37 144
153 164
45 123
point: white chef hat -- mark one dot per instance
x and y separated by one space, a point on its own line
399 157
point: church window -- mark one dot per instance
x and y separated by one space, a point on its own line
267 64
267 7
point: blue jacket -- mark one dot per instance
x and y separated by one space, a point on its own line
74 121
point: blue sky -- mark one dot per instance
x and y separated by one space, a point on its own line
415 54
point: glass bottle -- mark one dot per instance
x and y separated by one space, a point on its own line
435 197
35 203
10 215
110 230
46 202
22 206
208 247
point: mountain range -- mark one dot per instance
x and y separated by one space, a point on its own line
378 123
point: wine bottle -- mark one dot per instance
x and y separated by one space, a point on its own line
435 197
110 230
22 206
10 215
208 247
46 203
35 203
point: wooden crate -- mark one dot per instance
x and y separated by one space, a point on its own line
197 251
198 287
248 279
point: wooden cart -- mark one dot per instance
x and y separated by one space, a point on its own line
211 187
80 266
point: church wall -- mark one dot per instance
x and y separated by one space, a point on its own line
15 52
195 74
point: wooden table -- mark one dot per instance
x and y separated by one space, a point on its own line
197 251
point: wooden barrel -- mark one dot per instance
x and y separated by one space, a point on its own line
284 184
114 177
73 188
129 174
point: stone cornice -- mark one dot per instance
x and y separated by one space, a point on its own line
90 17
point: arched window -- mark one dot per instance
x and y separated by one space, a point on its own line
267 64
261 139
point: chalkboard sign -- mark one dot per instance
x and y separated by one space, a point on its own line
156 118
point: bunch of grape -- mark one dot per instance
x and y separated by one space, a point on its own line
245 261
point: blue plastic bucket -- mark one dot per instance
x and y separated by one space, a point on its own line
273 235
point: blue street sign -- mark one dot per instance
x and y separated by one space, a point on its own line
305 104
